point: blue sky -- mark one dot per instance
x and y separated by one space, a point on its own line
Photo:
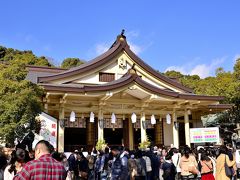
191 36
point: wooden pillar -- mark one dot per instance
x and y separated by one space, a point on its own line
126 134
143 130
90 135
100 129
187 130
61 129
158 133
46 107
130 132
175 130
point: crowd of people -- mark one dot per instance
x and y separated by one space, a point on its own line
118 163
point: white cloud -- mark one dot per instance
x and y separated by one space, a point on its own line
237 56
203 70
180 69
135 48
132 34
102 48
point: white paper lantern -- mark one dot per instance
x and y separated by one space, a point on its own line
134 118
91 117
72 116
168 119
113 118
153 120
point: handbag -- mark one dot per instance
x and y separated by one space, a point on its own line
83 174
228 169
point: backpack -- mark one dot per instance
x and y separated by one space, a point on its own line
171 170
141 167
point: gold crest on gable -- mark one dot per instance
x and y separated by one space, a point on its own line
122 63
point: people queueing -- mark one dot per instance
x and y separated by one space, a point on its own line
188 164
169 169
222 160
148 164
43 167
132 167
73 166
99 165
82 166
18 158
176 160
206 167
118 163
3 164
119 166
141 166
91 161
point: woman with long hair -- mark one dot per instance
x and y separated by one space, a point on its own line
188 164
206 167
18 158
223 159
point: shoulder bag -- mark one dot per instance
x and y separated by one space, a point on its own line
228 170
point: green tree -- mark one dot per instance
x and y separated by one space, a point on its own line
2 51
229 87
190 81
27 57
71 62
174 74
236 75
20 102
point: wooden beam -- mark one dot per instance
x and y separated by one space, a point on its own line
116 111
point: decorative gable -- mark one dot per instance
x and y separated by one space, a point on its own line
112 65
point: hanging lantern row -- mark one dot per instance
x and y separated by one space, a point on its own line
91 117
113 118
72 117
168 119
134 118
153 120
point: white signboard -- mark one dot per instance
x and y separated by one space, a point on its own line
48 130
202 135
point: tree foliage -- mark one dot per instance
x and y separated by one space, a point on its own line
19 102
71 62
20 99
26 57
225 84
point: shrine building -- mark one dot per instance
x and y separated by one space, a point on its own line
121 99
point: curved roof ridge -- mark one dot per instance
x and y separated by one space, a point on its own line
147 67
119 45
73 70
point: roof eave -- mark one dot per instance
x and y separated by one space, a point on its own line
127 81
102 59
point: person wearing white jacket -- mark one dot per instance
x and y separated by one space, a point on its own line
176 159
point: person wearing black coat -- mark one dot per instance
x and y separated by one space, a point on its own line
72 162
